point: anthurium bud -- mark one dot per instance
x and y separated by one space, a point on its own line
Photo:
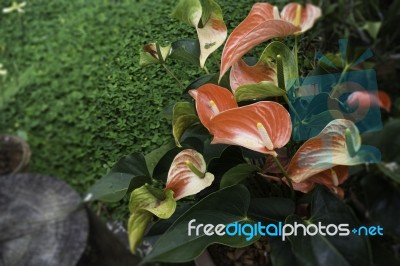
187 175
145 202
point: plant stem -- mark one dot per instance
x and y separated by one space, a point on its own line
280 166
296 51
206 70
174 77
292 108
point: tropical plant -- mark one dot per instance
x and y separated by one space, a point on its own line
234 158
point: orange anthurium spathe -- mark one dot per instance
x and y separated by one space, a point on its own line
339 143
264 23
187 174
262 126
211 100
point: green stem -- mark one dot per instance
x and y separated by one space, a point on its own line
206 70
280 166
174 77
292 108
296 51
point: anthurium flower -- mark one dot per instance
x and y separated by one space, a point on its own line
206 17
339 143
365 99
187 175
262 126
264 23
211 100
330 178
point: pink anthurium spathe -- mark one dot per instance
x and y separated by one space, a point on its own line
211 100
263 126
187 174
264 23
364 100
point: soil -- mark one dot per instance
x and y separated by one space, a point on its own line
14 155
255 254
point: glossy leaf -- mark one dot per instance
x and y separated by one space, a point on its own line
263 127
187 174
150 54
262 24
330 148
211 100
304 17
186 51
128 173
176 245
145 202
260 90
155 156
183 117
206 17
325 249
236 174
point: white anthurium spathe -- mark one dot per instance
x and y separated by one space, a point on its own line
18 7
187 175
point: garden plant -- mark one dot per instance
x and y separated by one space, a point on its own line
247 149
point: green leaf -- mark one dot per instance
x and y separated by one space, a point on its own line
272 209
390 170
389 142
188 11
319 121
186 51
145 202
127 174
237 173
184 116
260 90
329 250
155 156
226 206
372 28
382 199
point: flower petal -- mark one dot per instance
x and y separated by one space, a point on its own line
261 127
261 24
330 148
182 180
305 18
365 99
210 100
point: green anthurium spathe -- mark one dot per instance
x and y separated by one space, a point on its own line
145 202
206 17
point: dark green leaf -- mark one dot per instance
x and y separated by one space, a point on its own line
127 174
177 246
187 51
236 174
154 157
